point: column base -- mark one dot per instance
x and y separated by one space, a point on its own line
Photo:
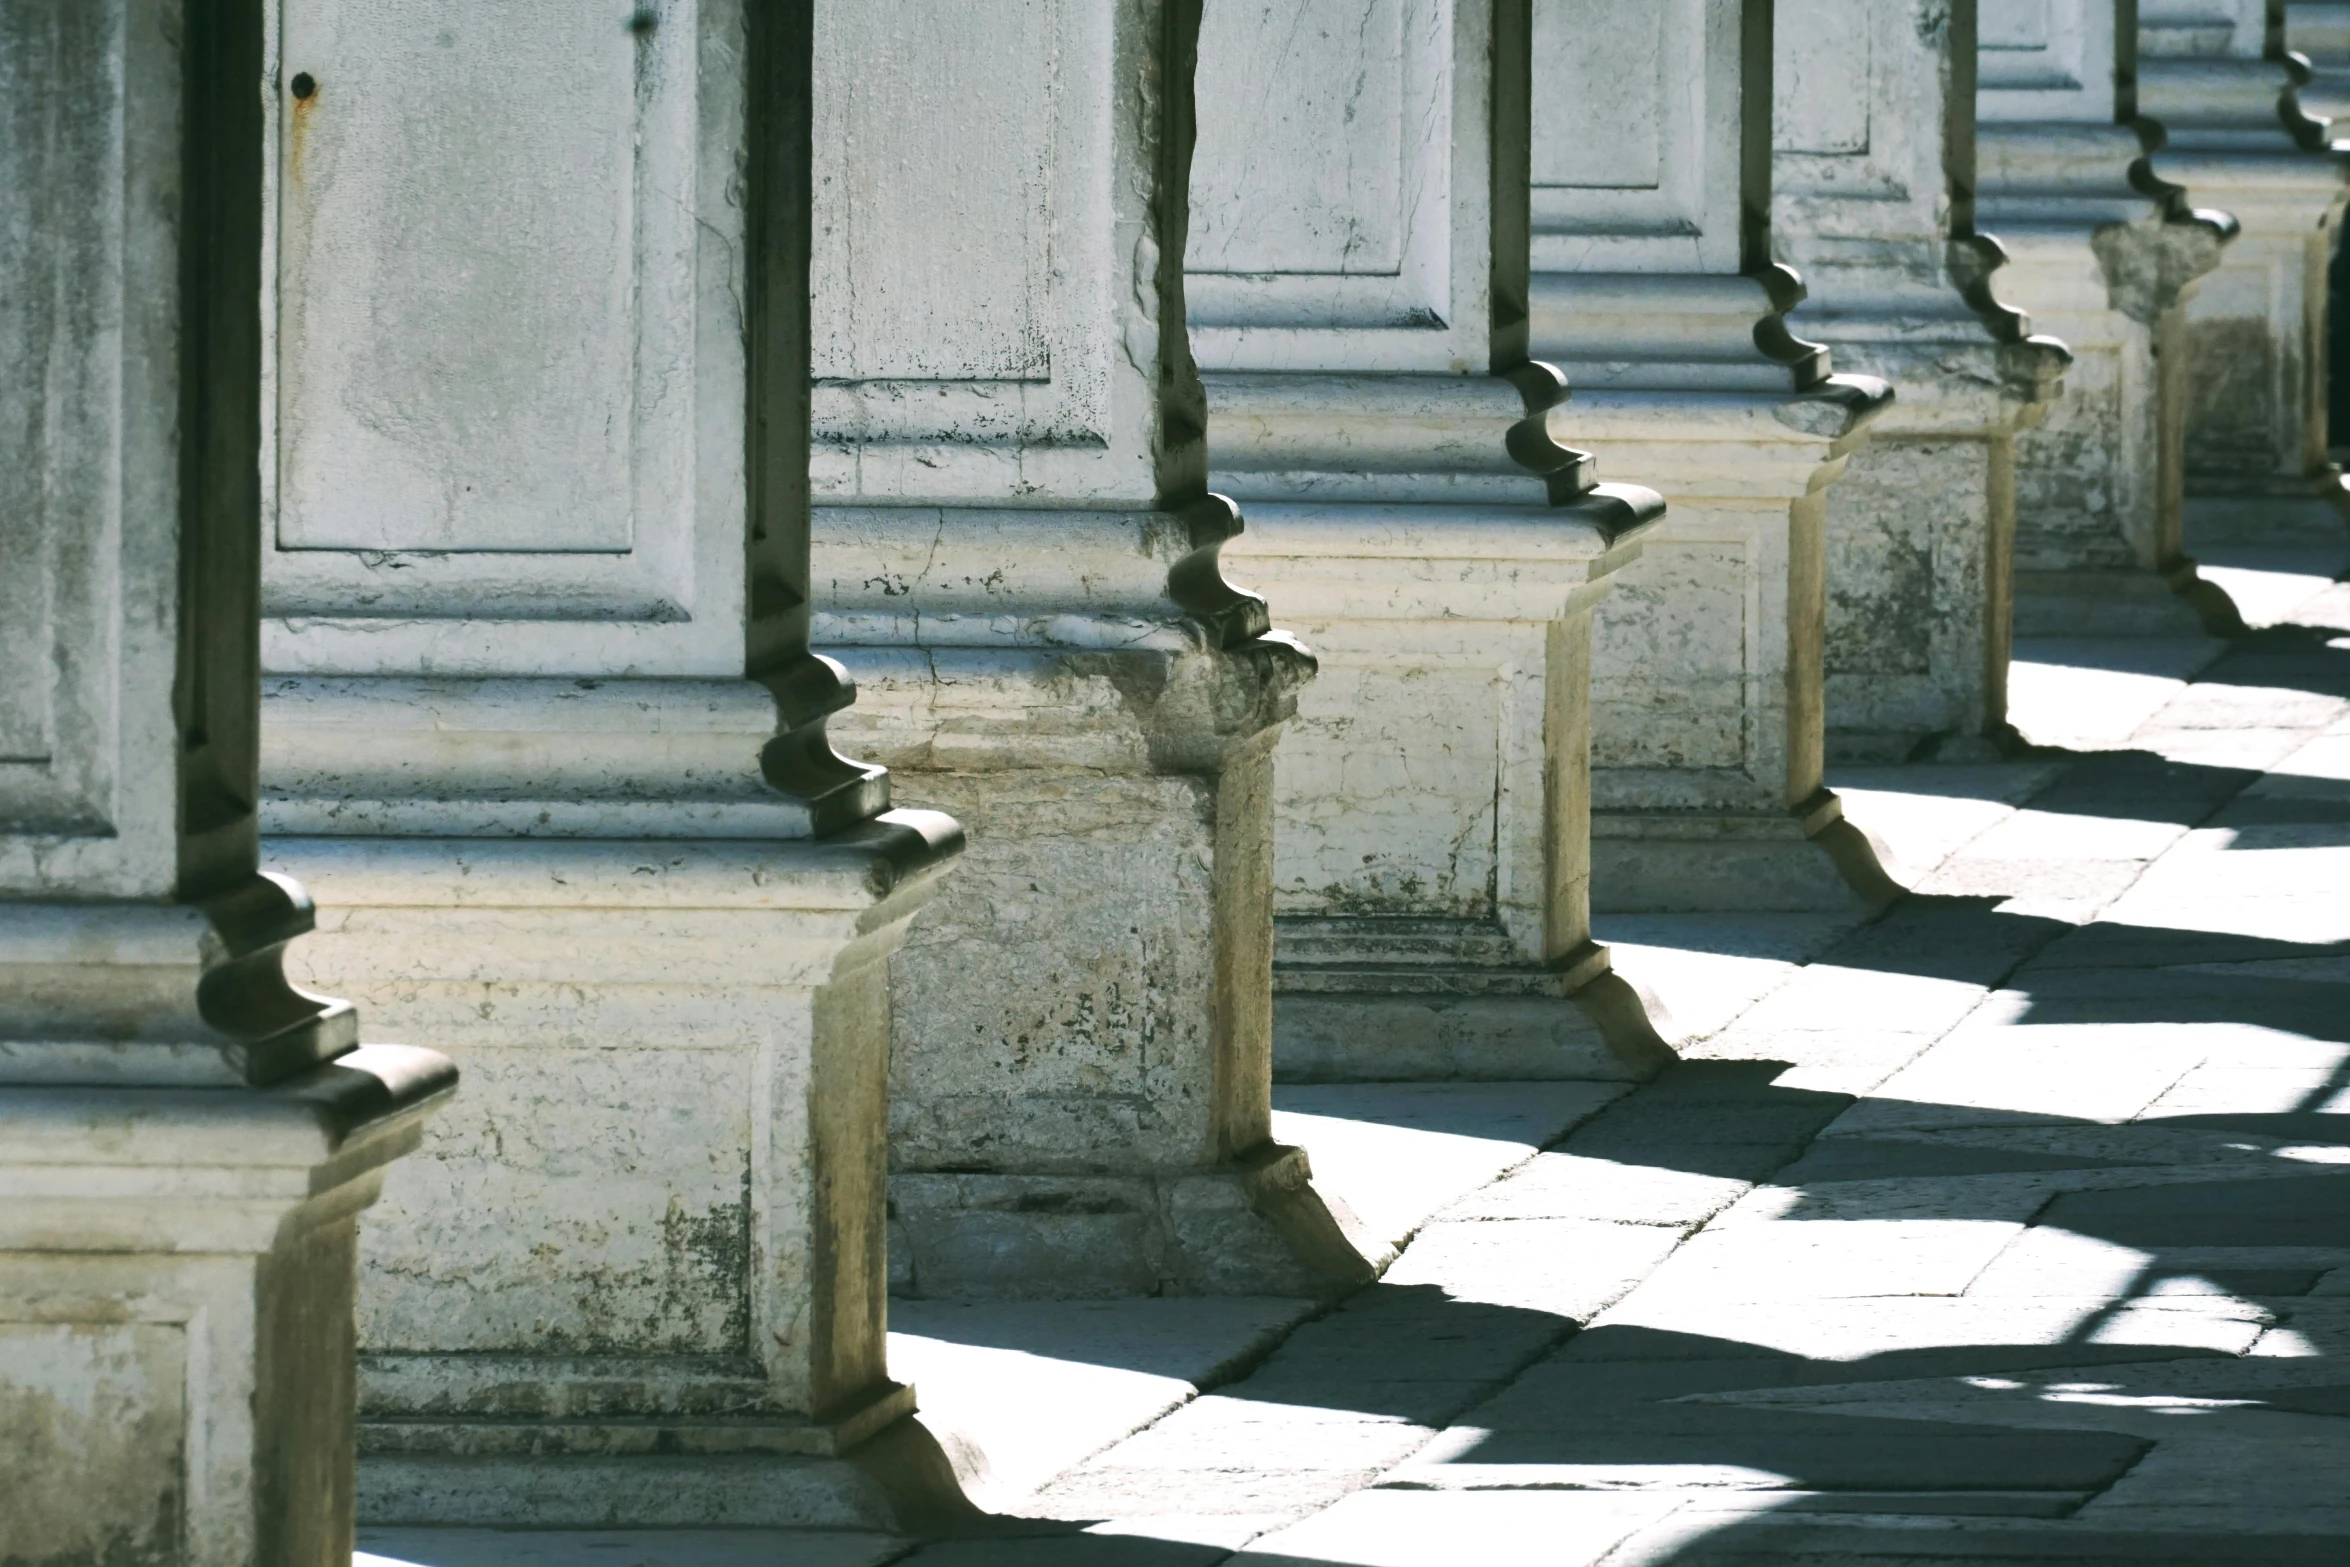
1408 1000
176 1280
1257 1227
2173 601
1805 860
871 1467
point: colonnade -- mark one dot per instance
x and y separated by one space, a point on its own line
873 615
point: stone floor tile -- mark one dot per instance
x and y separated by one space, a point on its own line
2275 712
1774 1540
2079 1072
1093 1492
1791 1260
1429 1402
1086 1549
2050 1262
1402 1333
1688 1327
2218 1089
1925 813
2310 1327
2043 836
413 1547
1569 1185
1402 1528
1671 1446
2307 1209
2010 1199
2090 692
1921 1160
1973 941
1395 1153
1570 1268
1708 968
1032 1387
1220 1431
2073 892
2319 768
1830 994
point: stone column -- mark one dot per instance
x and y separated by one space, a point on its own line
1358 207
1873 204
2104 254
1017 554
1654 290
186 1139
544 730
2216 76
2319 32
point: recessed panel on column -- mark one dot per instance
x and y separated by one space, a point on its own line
950 131
1308 177
1634 160
456 357
934 117
495 317
64 439
1322 194
1669 676
2034 59
1820 79
100 1412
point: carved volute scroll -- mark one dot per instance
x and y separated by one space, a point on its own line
1232 614
138 790
271 1029
808 687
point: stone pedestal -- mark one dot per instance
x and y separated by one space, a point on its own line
641 1280
176 1281
2216 76
2104 255
185 1139
1873 204
1653 289
1410 515
1017 555
543 726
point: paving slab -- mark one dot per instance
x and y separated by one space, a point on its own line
1709 968
1396 1153
1019 1391
1571 1185
1567 1267
625 1548
1924 813
1401 1528
2093 693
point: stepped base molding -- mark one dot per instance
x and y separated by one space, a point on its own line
1805 858
1080 1094
1382 999
653 1226
1707 685
176 1281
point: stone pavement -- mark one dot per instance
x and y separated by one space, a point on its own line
2012 1226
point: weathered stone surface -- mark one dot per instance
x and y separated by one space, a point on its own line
1017 555
544 717
1374 409
2104 254
1873 205
176 1274
2214 74
1652 288
185 1140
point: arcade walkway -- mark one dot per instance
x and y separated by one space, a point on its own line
2012 1227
